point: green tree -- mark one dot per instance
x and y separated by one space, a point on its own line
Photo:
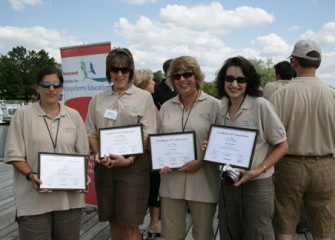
210 88
264 69
23 68
158 76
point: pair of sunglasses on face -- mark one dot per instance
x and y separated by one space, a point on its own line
47 84
184 75
117 69
230 79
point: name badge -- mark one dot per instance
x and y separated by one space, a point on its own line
111 114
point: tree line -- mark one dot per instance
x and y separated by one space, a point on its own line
19 68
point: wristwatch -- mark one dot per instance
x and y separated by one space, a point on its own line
29 173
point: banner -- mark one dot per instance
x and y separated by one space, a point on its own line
84 75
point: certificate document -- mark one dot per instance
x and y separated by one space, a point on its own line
172 150
62 171
125 140
230 145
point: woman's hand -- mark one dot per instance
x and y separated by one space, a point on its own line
192 166
247 175
204 145
165 170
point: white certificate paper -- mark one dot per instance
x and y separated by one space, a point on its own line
229 145
62 171
172 150
125 140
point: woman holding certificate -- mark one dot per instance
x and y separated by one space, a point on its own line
246 207
122 181
50 127
195 185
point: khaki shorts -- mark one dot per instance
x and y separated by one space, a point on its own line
122 192
308 179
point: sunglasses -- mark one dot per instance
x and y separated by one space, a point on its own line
184 75
122 69
47 84
238 79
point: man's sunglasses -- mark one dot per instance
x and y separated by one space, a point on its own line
184 75
229 78
122 69
47 84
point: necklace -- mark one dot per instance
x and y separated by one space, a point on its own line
54 143
229 105
189 112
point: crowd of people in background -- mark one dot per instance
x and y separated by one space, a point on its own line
292 173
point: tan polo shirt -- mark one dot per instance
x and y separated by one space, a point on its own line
257 113
134 106
307 109
204 184
28 135
271 87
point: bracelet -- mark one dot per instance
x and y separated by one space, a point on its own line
30 173
263 166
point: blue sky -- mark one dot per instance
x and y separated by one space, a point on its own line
155 30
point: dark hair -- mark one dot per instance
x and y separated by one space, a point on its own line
249 71
166 65
187 64
120 56
284 70
306 63
49 70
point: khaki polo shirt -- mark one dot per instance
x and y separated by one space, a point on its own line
134 106
307 109
28 135
271 87
203 185
257 113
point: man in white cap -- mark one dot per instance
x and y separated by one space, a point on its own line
307 173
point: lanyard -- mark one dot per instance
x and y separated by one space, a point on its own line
183 126
54 143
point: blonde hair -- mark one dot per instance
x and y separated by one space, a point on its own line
143 78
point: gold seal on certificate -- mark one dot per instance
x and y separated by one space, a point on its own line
231 145
125 140
172 150
62 171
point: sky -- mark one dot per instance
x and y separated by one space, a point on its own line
156 30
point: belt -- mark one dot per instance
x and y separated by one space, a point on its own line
302 156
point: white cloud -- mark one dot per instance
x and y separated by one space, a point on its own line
35 38
272 45
19 5
294 28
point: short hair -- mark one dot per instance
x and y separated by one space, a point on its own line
249 71
166 65
143 78
187 64
120 56
306 63
49 70
284 70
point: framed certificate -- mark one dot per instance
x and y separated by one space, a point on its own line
231 145
62 171
125 140
172 149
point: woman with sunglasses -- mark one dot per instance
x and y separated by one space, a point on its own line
196 184
122 182
45 126
246 207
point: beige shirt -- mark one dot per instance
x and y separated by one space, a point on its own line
134 106
307 109
257 113
271 87
28 135
203 185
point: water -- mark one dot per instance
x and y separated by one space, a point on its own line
3 136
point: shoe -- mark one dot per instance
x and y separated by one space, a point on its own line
153 235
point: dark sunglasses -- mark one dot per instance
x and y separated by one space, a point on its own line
122 69
47 84
238 79
184 75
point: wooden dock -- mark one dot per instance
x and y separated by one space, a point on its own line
91 228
